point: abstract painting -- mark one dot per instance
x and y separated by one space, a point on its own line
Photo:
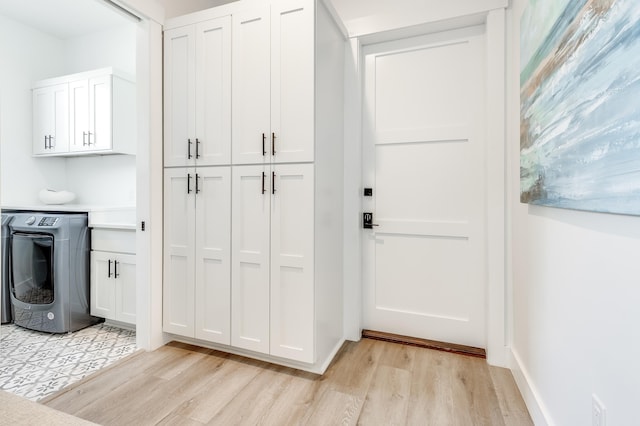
580 105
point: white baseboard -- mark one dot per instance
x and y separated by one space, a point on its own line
531 397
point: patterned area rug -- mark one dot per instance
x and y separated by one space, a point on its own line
35 364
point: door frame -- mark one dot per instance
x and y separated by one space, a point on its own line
496 294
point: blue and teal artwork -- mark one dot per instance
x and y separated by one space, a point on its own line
580 105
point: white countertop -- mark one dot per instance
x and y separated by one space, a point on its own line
108 217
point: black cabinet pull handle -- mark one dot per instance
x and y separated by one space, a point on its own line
115 269
197 189
109 270
189 149
263 177
273 143
188 183
264 151
273 182
197 148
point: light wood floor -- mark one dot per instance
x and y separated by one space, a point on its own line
369 383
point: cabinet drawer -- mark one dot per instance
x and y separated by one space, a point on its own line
114 240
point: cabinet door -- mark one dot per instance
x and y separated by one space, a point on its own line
292 80
179 251
213 93
78 115
250 258
124 272
179 96
99 131
51 120
251 91
103 291
292 266
213 254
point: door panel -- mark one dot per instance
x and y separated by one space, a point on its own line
424 265
251 86
292 274
79 114
126 288
100 121
179 92
213 94
213 267
292 80
103 296
250 258
179 252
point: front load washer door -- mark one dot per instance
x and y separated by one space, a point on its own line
32 268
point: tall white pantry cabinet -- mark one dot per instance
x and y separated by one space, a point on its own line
253 193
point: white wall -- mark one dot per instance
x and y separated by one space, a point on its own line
27 55
110 179
576 296
175 8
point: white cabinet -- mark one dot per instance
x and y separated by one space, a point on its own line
197 89
51 119
275 287
273 260
95 112
273 83
113 275
197 253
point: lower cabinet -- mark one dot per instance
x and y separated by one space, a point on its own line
113 274
197 217
113 286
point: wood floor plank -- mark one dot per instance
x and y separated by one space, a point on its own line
369 382
512 406
387 398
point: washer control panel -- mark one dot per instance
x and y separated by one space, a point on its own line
48 221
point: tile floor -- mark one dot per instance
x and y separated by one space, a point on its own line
35 364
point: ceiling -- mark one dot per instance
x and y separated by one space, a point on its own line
64 19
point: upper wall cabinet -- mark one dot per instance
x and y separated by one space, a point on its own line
51 120
85 113
197 89
273 83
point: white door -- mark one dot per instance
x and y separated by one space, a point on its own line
103 294
213 254
251 86
179 252
424 158
292 274
124 272
100 118
179 96
213 93
251 193
292 81
51 119
79 115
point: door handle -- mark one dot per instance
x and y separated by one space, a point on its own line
273 182
273 143
197 154
45 141
263 178
84 138
367 220
51 145
89 138
189 149
115 269
109 270
188 183
264 151
197 177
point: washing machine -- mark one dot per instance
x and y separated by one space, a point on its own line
49 282
7 307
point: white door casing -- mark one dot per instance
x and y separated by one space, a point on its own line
424 268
